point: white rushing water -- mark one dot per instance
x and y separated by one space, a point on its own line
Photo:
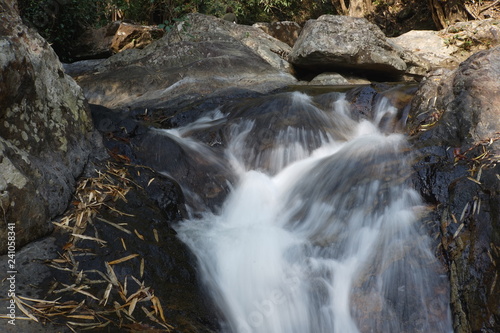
329 243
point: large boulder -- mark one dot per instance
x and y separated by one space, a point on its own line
187 64
455 123
45 131
453 45
347 43
203 27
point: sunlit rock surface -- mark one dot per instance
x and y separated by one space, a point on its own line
45 131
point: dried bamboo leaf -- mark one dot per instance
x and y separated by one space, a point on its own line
77 316
125 282
20 306
117 211
474 180
117 261
86 293
150 181
117 226
155 233
132 305
141 237
79 277
123 244
78 307
111 274
463 212
137 294
68 288
455 235
141 270
107 292
141 284
38 300
89 238
154 319
82 324
96 326
157 306
62 226
71 328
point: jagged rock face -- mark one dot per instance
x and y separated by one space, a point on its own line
45 128
346 43
455 121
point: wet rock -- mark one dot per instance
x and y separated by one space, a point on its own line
205 180
276 122
347 43
137 224
46 131
30 281
455 124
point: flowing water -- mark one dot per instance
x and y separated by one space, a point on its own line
320 233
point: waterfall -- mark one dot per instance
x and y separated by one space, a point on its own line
325 235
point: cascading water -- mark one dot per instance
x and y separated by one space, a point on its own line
320 232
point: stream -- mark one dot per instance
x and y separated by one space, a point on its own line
321 229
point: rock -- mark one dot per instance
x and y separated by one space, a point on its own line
430 46
455 122
203 178
203 27
342 43
184 64
31 281
329 79
113 38
465 101
453 45
285 31
45 133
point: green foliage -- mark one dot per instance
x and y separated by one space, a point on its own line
60 22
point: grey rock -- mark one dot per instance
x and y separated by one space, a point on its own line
329 79
45 131
449 47
347 43
186 62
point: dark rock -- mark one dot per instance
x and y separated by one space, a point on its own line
203 177
46 131
455 123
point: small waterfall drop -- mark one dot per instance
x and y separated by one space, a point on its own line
323 236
